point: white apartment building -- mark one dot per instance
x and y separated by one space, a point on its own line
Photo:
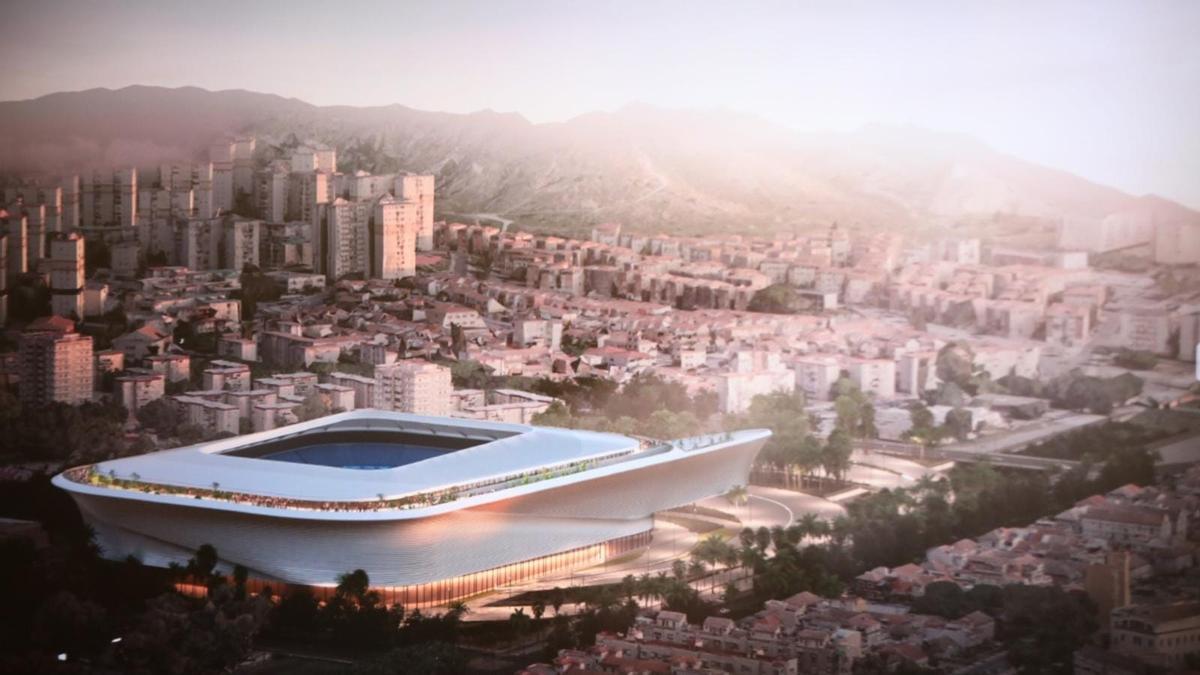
55 366
242 239
418 387
136 390
394 254
874 376
347 238
419 189
109 198
271 191
67 275
815 376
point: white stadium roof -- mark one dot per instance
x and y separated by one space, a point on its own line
516 449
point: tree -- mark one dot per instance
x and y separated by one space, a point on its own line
737 495
958 423
312 408
160 415
190 433
425 658
665 424
835 458
784 414
354 585
518 621
955 363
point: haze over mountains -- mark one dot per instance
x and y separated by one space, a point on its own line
649 168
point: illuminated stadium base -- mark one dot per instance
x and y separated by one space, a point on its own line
432 509
440 593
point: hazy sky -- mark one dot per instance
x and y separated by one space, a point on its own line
1108 90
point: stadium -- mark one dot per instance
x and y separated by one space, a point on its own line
432 508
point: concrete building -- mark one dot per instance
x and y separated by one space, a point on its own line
136 390
55 365
221 155
735 391
1161 635
394 254
189 188
1116 231
815 376
3 277
538 332
49 198
140 343
16 237
241 243
125 258
234 347
67 275
213 416
417 387
173 367
362 386
1145 328
419 190
306 192
336 397
346 243
874 377
1177 243
1068 325
271 191
109 198
226 375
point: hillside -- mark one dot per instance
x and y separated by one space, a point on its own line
652 169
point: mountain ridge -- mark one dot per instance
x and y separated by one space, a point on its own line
648 167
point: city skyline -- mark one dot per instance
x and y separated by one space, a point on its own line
1113 99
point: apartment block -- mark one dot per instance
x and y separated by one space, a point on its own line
136 390
55 366
67 275
419 189
109 198
394 254
418 387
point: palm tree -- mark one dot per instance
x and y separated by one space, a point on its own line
738 495
628 586
518 621
779 538
762 538
557 597
679 569
645 587
457 609
746 537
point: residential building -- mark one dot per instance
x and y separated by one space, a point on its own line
56 364
395 238
109 198
67 275
134 390
1161 635
419 190
417 387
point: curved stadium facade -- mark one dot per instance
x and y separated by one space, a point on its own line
432 508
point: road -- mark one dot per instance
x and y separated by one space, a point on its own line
1017 439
